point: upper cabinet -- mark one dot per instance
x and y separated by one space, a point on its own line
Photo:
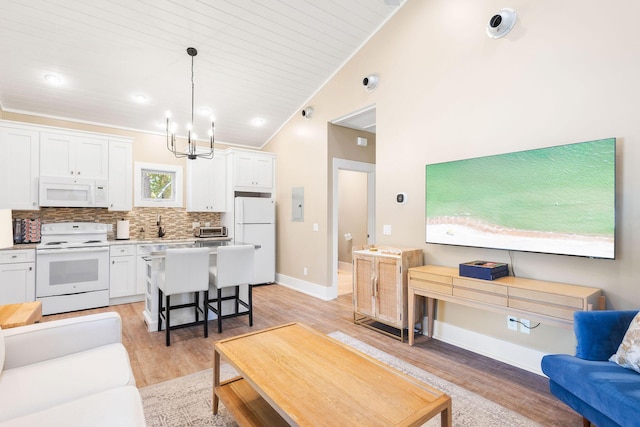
74 155
120 176
206 184
253 171
19 168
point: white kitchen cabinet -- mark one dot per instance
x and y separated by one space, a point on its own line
253 171
74 155
19 168
207 184
17 276
122 271
120 176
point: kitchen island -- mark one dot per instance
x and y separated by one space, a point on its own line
153 255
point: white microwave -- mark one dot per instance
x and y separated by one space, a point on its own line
73 193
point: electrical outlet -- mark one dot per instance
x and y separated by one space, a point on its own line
195 225
512 323
305 271
525 326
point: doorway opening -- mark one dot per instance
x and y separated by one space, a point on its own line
353 216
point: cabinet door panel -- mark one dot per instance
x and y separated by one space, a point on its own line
388 289
122 276
120 176
17 283
56 154
19 169
363 285
92 159
264 172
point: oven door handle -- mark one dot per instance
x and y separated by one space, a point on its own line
71 250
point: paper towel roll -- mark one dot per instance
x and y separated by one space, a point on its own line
122 229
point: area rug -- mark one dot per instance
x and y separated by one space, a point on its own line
186 401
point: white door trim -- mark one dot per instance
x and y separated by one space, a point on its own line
370 170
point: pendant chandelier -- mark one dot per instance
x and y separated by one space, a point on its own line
191 151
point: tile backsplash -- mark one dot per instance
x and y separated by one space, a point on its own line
177 222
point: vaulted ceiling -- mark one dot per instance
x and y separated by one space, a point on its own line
124 63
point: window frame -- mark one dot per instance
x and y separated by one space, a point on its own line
141 201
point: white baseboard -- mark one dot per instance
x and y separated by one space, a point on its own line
510 353
504 351
323 292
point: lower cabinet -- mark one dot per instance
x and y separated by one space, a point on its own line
122 272
17 276
380 285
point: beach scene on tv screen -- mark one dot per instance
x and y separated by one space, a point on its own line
558 200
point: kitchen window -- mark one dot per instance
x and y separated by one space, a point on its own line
157 185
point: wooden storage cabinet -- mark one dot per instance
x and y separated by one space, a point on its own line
380 286
546 302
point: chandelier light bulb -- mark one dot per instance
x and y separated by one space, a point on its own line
189 127
210 133
168 114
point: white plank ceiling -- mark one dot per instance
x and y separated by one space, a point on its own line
257 59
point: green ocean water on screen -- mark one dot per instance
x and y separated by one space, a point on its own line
564 189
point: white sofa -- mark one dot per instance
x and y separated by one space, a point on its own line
70 372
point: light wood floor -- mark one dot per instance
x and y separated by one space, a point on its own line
153 362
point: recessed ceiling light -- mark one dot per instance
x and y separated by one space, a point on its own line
258 121
140 98
204 111
53 79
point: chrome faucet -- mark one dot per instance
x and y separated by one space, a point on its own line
161 231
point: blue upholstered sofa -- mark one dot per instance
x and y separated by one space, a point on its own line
603 392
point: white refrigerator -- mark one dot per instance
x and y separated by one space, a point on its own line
255 222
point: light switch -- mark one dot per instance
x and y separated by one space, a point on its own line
386 230
315 226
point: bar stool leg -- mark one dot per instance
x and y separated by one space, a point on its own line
168 327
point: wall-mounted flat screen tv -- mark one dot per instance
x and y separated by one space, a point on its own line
558 200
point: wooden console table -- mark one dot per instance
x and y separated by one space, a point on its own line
545 302
295 375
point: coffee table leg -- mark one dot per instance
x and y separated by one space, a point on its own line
445 416
216 380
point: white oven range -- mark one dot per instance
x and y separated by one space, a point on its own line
72 267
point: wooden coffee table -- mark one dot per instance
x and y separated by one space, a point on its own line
295 375
27 313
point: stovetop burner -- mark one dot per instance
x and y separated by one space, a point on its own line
73 235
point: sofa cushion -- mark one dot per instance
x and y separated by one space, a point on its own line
39 386
628 354
607 387
120 407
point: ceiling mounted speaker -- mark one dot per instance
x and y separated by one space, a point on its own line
501 23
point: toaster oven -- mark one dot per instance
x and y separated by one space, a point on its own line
211 232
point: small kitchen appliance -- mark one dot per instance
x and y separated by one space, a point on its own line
211 232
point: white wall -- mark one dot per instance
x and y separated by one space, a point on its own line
566 73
